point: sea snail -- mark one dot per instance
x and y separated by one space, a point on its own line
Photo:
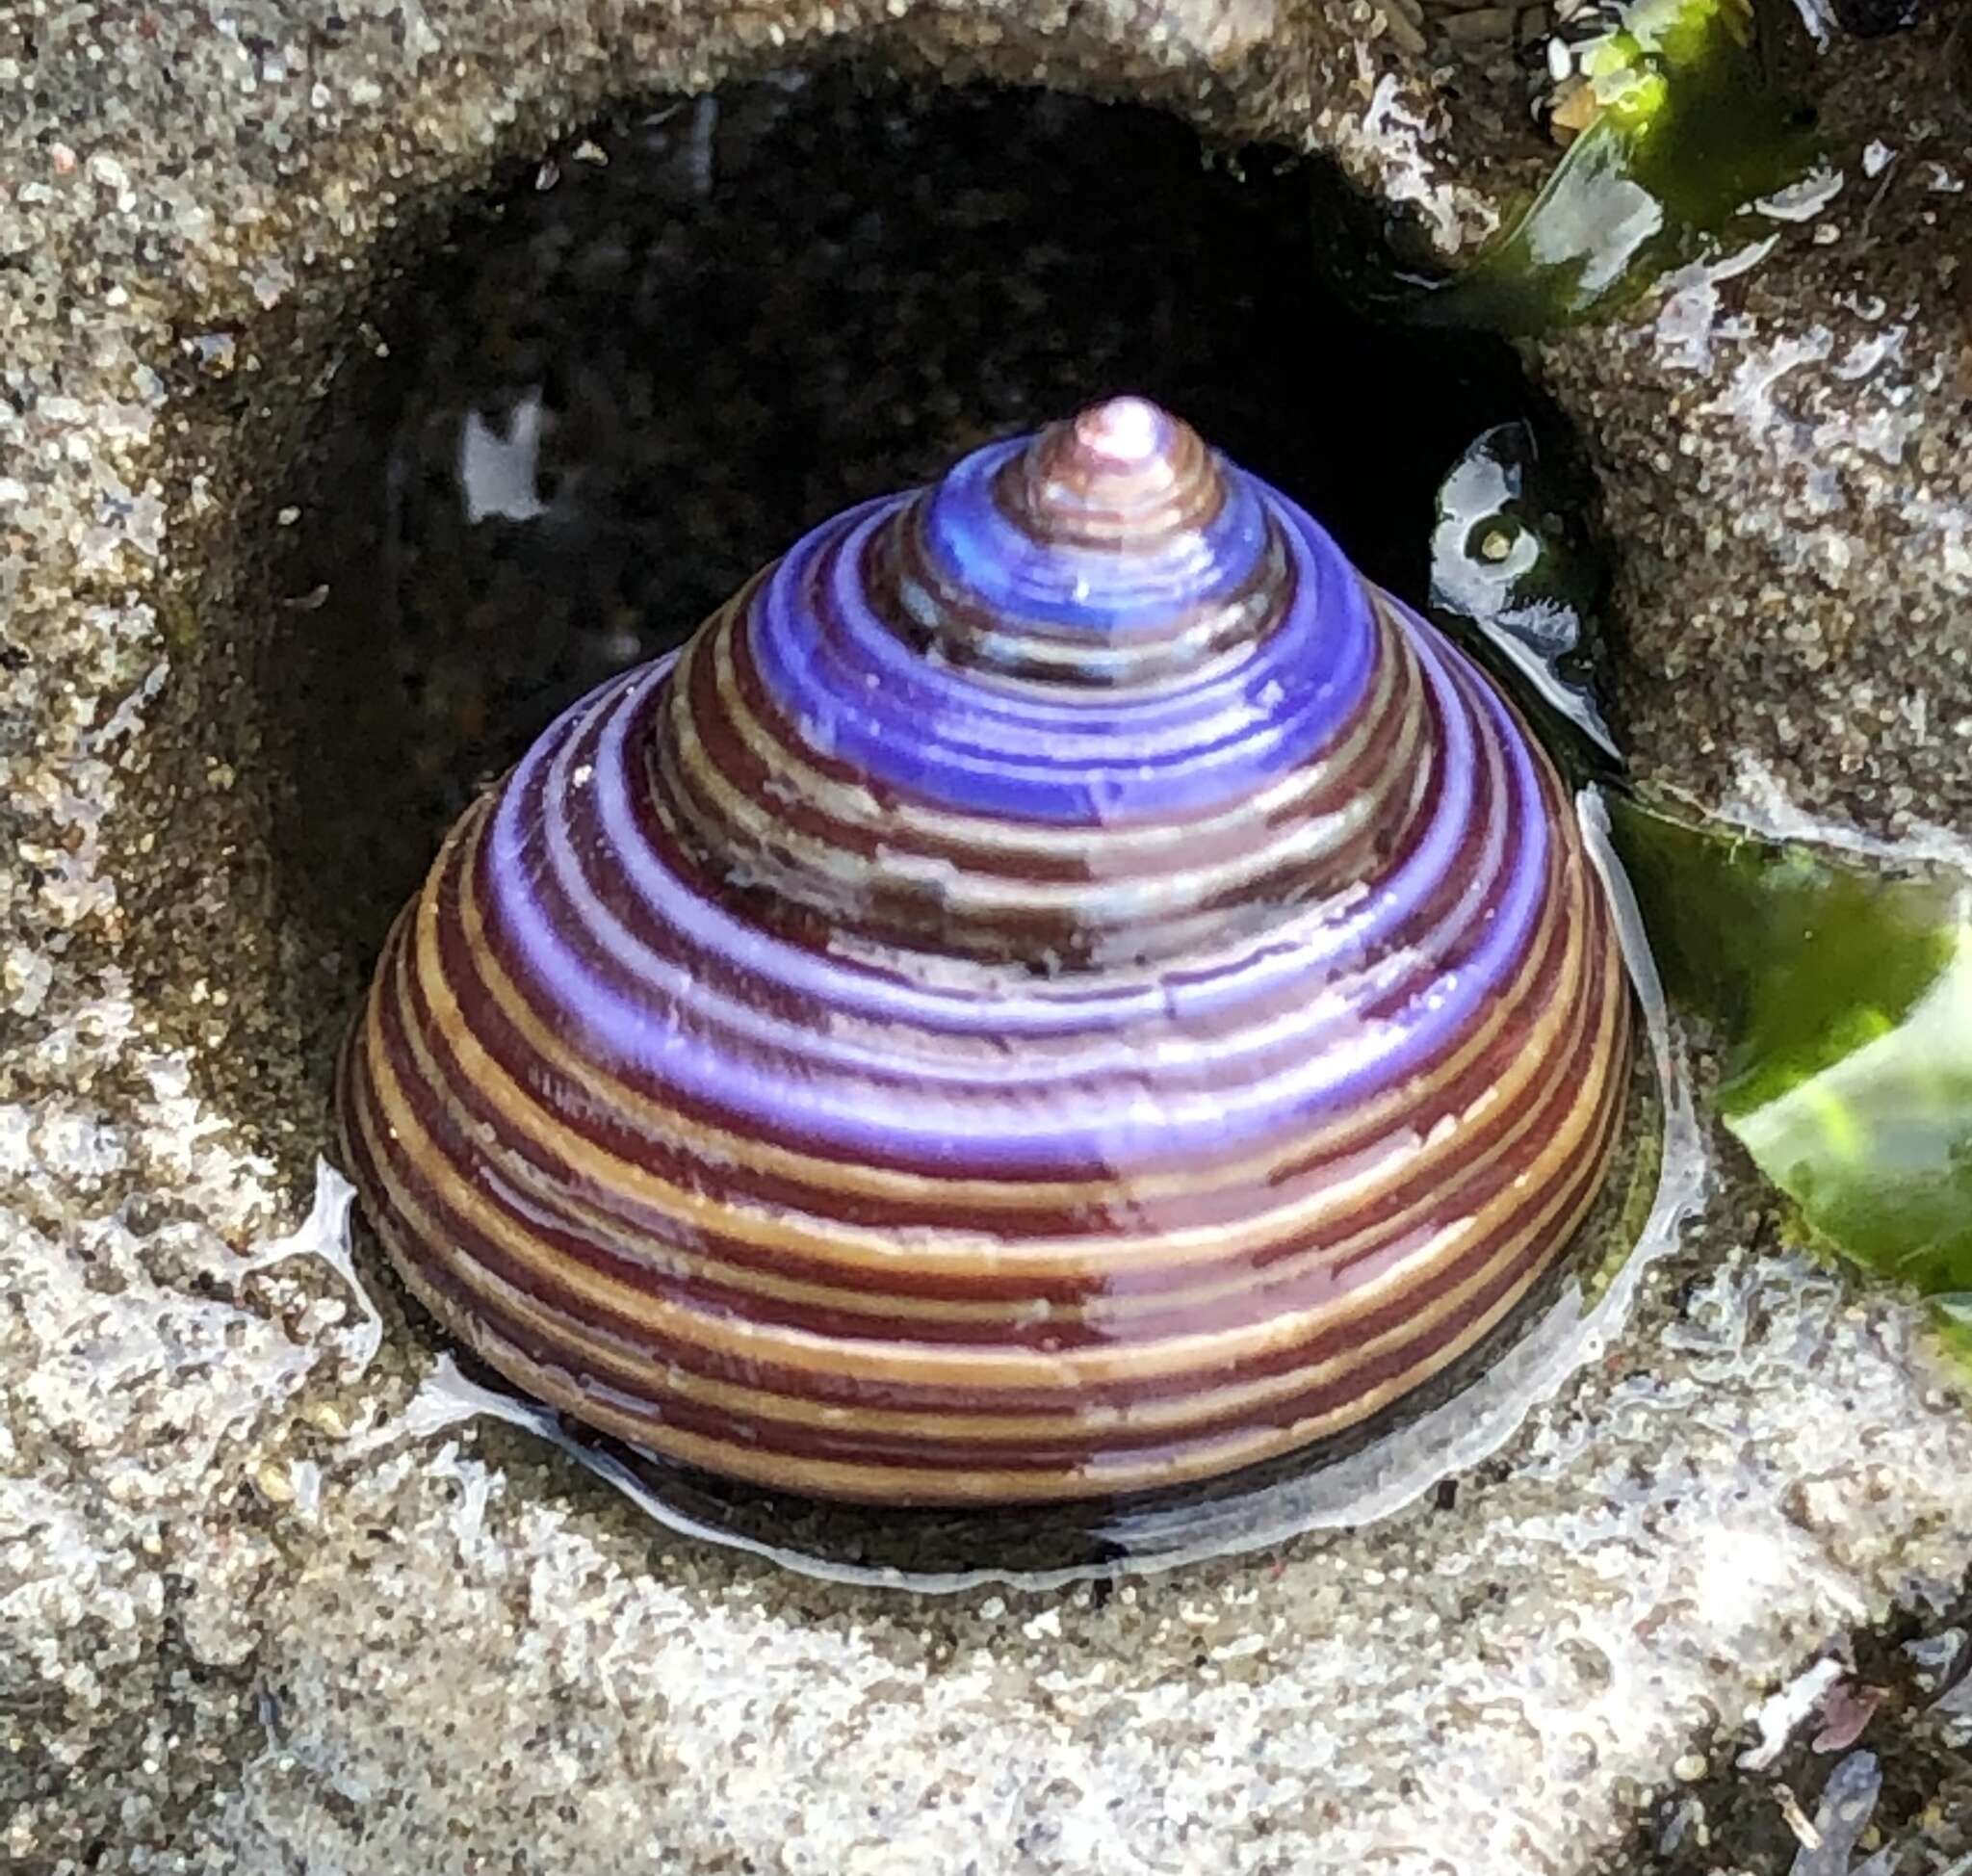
1060 988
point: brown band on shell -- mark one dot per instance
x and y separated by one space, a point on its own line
1070 1061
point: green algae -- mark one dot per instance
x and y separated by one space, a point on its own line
1688 142
1839 991
1842 996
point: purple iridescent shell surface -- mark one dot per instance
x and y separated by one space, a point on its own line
1061 988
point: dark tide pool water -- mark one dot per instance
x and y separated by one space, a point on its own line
645 366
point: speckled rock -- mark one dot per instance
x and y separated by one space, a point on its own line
1784 446
259 1607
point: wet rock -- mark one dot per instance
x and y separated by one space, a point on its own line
1783 441
250 1600
1804 1798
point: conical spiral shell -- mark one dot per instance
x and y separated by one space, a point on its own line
1061 988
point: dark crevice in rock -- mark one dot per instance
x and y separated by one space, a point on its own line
669 347
1903 1698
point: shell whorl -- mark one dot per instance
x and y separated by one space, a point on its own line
1061 988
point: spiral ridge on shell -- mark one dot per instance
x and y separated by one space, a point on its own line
1061 988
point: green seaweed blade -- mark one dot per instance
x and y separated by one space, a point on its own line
1688 141
1843 997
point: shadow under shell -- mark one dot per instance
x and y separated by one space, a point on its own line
1456 1420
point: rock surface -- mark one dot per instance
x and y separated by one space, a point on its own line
1783 441
256 1613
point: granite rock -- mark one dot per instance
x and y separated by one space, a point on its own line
1783 446
259 1610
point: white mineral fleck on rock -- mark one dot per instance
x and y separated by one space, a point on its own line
1785 1709
25 975
1395 136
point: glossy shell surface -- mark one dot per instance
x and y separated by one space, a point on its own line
1061 988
